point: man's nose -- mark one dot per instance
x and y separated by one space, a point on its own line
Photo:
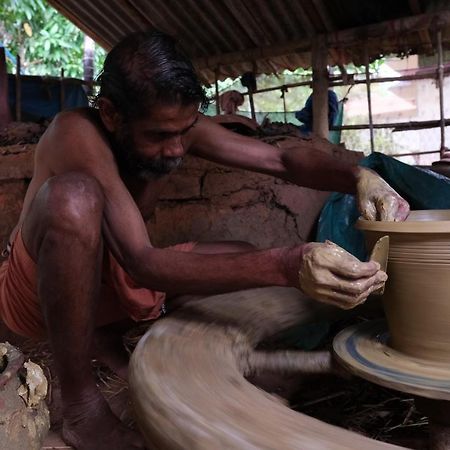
173 148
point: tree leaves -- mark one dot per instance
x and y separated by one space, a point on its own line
45 40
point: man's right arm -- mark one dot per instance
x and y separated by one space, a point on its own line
79 147
74 144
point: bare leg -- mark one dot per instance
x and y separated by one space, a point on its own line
109 348
63 235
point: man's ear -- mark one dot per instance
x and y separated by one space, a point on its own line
109 114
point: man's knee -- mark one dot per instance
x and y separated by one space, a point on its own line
71 204
73 200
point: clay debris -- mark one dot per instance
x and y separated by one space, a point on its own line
22 133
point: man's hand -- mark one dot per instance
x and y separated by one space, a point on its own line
377 200
331 275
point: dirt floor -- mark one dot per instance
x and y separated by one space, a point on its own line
350 403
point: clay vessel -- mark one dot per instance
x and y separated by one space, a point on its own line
24 417
417 294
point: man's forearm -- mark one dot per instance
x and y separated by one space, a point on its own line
191 273
317 170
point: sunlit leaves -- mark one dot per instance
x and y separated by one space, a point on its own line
45 40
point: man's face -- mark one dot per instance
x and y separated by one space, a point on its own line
153 146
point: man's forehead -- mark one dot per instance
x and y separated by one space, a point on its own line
170 119
171 126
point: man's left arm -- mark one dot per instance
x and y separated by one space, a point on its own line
305 166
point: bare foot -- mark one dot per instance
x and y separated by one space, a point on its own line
91 425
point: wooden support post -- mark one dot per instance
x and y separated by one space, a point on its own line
88 63
5 114
283 96
440 70
320 86
216 82
18 91
252 104
369 101
61 91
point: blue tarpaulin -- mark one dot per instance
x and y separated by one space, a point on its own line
41 96
423 189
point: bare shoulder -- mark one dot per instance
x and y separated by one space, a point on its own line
72 123
74 141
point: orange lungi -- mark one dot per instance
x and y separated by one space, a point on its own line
120 297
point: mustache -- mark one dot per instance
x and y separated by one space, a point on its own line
160 165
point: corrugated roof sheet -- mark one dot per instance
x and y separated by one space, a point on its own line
230 37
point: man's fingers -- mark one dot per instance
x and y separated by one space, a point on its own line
402 211
354 269
353 287
368 210
347 301
387 207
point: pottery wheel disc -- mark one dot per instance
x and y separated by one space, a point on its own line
362 349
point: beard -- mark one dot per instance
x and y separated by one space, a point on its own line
131 162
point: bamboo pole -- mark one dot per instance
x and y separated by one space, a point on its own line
216 83
440 70
283 96
369 101
338 81
397 126
250 92
61 91
252 104
18 91
320 87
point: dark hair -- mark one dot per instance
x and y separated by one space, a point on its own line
147 68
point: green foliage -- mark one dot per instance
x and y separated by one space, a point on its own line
45 40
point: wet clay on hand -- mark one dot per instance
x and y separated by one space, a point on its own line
377 200
330 274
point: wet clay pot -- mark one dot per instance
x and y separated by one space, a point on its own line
24 417
417 294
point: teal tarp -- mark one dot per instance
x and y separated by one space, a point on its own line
423 189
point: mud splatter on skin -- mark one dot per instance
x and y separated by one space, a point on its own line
331 275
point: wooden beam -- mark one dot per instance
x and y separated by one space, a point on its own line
320 86
343 38
424 34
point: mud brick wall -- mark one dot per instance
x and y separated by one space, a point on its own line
16 170
202 202
205 201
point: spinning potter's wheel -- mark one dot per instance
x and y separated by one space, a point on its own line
364 351
411 351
